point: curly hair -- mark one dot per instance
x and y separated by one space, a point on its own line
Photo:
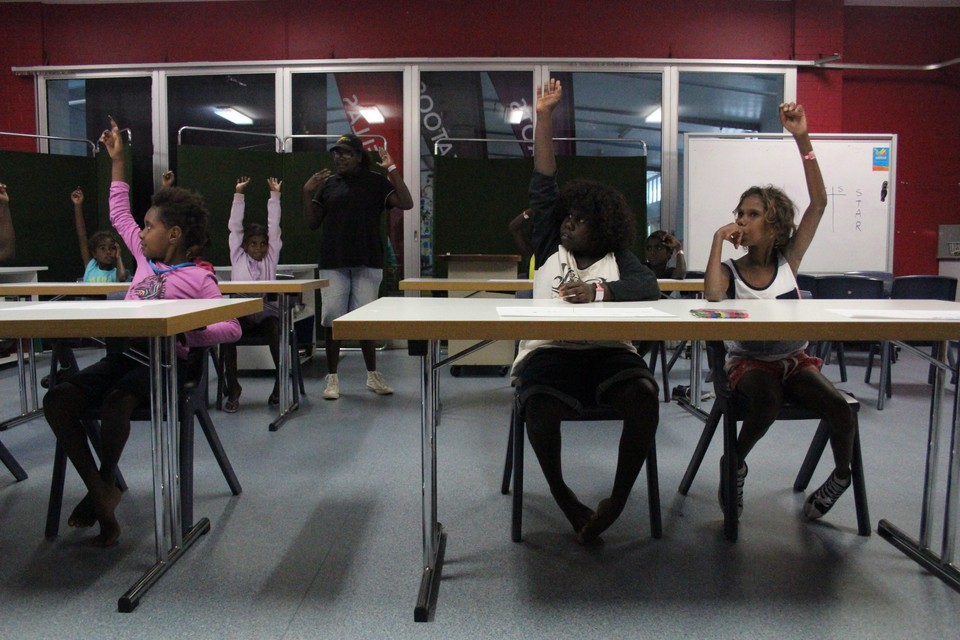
178 207
605 210
99 238
779 211
253 230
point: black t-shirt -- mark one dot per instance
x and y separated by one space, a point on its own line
352 209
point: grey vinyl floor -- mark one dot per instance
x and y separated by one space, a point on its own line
324 541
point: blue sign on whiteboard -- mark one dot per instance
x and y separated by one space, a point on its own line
881 158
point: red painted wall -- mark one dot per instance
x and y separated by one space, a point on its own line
919 106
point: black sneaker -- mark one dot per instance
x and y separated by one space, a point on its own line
821 500
741 476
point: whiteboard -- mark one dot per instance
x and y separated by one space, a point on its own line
859 171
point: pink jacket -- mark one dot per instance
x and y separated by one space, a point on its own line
189 282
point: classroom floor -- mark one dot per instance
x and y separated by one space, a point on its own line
325 540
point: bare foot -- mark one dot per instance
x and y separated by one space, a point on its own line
105 510
83 515
576 512
607 513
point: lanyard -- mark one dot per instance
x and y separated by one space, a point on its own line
176 266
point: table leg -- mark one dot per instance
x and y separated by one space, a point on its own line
434 537
919 550
171 540
287 403
27 376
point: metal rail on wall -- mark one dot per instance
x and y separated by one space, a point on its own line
93 145
276 138
331 136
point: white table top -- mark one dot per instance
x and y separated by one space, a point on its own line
118 318
478 319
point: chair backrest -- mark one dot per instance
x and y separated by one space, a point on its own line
842 287
924 288
695 275
885 276
524 294
807 282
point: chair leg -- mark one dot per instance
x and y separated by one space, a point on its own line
516 522
814 453
11 463
885 349
709 428
842 361
210 431
730 463
653 492
860 488
221 382
508 462
186 473
55 502
874 350
665 371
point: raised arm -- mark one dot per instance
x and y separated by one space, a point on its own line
400 198
274 237
77 198
548 97
313 211
794 120
8 240
122 275
112 140
679 260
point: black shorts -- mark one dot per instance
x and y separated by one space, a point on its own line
579 377
118 372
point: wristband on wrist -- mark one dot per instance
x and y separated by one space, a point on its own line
598 292
392 167
810 155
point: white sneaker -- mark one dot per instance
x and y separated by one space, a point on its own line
376 383
332 392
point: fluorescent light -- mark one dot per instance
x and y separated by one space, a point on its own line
655 116
515 116
234 116
372 115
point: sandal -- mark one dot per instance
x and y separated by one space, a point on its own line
231 405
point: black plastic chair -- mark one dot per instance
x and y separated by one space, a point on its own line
11 463
194 399
909 288
844 287
729 407
807 282
885 276
513 466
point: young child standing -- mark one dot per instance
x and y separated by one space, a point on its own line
254 254
767 373
176 221
581 239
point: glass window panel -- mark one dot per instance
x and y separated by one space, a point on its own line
715 102
193 101
469 114
614 115
80 108
327 105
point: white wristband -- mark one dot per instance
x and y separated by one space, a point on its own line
392 167
598 291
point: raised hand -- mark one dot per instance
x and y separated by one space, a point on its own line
167 179
77 196
274 184
4 196
385 159
242 183
112 139
793 118
317 179
548 96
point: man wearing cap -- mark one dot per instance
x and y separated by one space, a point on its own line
348 205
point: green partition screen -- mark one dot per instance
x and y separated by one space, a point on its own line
40 186
475 199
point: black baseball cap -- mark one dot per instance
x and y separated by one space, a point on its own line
350 142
